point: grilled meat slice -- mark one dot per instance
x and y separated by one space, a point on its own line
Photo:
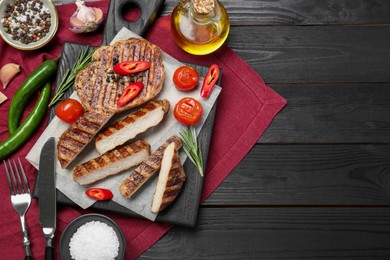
99 88
170 179
111 163
78 135
135 123
146 169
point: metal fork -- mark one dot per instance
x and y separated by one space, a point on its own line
20 197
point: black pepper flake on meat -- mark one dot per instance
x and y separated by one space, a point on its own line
26 21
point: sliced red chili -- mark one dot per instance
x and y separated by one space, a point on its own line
99 194
129 93
210 80
130 67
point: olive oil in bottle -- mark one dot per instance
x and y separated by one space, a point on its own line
200 26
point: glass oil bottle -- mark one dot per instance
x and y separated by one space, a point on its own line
200 26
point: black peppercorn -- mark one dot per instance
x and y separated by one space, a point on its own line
22 19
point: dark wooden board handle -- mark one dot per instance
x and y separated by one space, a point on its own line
115 21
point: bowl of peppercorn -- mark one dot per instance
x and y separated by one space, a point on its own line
28 24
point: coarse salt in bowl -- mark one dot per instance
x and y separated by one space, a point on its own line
25 22
92 236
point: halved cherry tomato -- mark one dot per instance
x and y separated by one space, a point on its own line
188 111
69 110
129 93
210 80
130 67
185 78
99 194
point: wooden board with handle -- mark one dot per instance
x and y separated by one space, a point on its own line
185 208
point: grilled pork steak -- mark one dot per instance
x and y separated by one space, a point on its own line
146 169
170 179
99 88
135 123
111 163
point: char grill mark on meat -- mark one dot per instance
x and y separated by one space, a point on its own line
170 179
164 105
100 83
155 75
90 80
109 79
111 163
78 135
125 53
106 68
148 75
146 169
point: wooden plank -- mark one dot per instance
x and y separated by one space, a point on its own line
294 54
279 233
331 113
302 12
308 175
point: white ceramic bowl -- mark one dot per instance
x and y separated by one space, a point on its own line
33 45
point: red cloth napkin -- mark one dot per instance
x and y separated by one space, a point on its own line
246 107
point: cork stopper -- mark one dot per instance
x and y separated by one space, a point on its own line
203 7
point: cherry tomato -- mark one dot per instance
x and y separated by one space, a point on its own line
188 111
185 78
210 80
99 194
69 110
130 67
129 93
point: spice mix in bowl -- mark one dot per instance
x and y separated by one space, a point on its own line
28 24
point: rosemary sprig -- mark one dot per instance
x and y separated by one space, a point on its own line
191 147
83 59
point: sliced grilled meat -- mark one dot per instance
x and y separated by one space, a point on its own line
111 163
135 123
99 88
146 169
78 135
170 179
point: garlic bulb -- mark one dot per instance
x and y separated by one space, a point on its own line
85 19
8 72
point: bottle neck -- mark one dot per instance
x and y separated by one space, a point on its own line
203 7
205 11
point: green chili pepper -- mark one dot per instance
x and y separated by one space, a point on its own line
29 125
31 84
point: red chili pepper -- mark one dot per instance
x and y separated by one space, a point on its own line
129 93
210 80
99 194
130 67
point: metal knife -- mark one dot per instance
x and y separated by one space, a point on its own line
47 195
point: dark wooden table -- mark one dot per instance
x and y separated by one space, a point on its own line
317 183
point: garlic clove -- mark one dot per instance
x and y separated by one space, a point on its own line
98 15
3 98
85 19
8 72
78 26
